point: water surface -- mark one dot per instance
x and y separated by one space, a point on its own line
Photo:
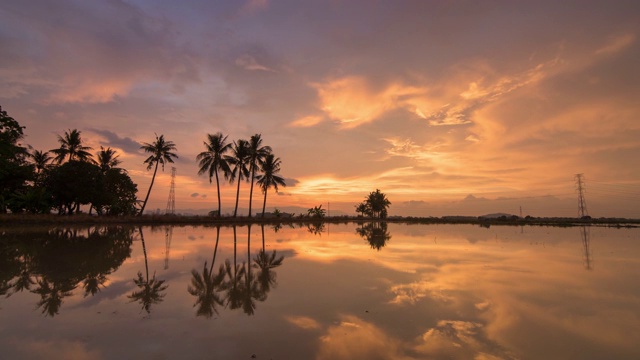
349 291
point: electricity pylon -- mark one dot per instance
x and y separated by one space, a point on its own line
582 204
171 203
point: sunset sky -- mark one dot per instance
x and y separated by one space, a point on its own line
448 107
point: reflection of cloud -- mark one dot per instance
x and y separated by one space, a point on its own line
354 338
303 322
59 350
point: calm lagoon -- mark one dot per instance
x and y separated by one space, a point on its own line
347 291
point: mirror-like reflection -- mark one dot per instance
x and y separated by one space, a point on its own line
357 290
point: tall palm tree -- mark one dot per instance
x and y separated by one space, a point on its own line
71 146
239 158
161 152
107 159
213 159
257 154
270 168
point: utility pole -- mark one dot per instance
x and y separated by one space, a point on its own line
582 204
171 203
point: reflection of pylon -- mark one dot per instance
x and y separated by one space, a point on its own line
171 203
586 247
168 234
582 204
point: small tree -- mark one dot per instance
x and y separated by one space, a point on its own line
374 205
316 212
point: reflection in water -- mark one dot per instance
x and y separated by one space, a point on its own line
375 233
585 235
235 286
316 227
206 286
168 235
150 289
52 263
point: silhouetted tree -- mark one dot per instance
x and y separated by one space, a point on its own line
239 158
270 168
214 159
71 146
205 286
150 288
162 151
257 155
107 159
15 171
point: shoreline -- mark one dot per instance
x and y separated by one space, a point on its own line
150 220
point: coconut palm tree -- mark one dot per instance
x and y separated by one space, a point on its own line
107 159
161 152
257 154
270 168
239 158
71 146
213 159
40 159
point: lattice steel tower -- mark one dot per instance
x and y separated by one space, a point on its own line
171 203
582 204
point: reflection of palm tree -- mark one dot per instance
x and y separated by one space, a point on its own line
92 282
213 160
315 227
375 233
204 286
150 289
250 290
267 278
161 152
232 286
269 177
51 295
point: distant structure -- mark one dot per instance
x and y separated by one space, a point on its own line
171 203
168 235
582 204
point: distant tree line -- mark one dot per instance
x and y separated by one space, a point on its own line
70 176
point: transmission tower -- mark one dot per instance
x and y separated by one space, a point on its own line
582 204
171 203
168 235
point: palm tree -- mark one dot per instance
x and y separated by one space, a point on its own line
239 159
41 160
270 167
161 152
257 154
71 145
214 159
107 159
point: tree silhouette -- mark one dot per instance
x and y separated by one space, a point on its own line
239 158
161 152
266 262
51 295
150 290
205 286
107 159
270 168
374 205
375 233
233 285
257 155
213 159
71 146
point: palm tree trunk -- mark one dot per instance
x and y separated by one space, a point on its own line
264 203
235 212
219 202
144 204
253 170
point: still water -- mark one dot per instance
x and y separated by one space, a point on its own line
347 291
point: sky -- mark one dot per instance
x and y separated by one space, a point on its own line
448 107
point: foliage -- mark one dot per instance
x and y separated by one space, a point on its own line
270 168
71 146
214 159
239 158
375 205
316 212
15 172
162 152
